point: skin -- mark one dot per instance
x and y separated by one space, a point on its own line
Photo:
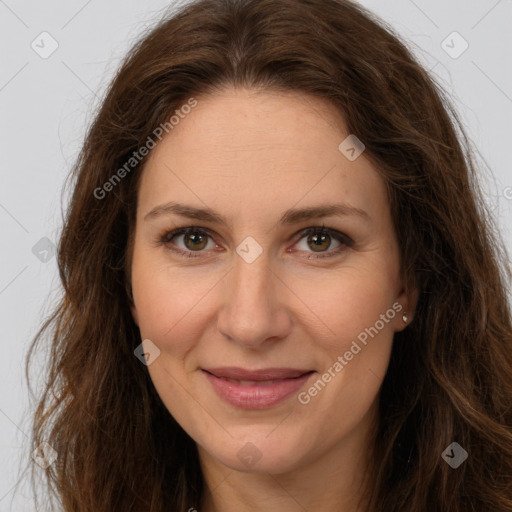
250 155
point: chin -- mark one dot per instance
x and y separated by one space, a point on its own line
259 452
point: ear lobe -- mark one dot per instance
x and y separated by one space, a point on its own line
408 301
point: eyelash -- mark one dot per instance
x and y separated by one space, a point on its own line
345 241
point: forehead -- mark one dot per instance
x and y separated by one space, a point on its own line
258 152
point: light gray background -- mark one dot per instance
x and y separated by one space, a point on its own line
45 105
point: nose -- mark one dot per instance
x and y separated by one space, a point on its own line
254 312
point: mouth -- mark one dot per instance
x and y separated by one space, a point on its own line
256 389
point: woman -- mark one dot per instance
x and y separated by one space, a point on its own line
282 290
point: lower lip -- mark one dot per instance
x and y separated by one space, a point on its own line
256 396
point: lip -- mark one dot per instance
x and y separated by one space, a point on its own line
256 389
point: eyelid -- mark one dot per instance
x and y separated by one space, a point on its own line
341 237
338 235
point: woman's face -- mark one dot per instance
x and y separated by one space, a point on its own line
269 339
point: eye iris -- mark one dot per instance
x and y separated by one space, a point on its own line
196 239
319 241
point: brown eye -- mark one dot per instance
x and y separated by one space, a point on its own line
316 240
195 241
319 241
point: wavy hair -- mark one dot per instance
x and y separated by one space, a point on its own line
450 373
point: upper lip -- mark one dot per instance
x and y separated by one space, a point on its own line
263 374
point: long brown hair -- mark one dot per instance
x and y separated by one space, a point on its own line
450 374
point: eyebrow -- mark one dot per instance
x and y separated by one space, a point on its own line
292 216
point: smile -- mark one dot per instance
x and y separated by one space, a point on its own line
257 389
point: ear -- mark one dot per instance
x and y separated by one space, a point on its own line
406 303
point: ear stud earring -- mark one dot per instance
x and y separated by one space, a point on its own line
404 318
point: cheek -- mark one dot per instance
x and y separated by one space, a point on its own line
170 304
170 301
341 306
353 330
